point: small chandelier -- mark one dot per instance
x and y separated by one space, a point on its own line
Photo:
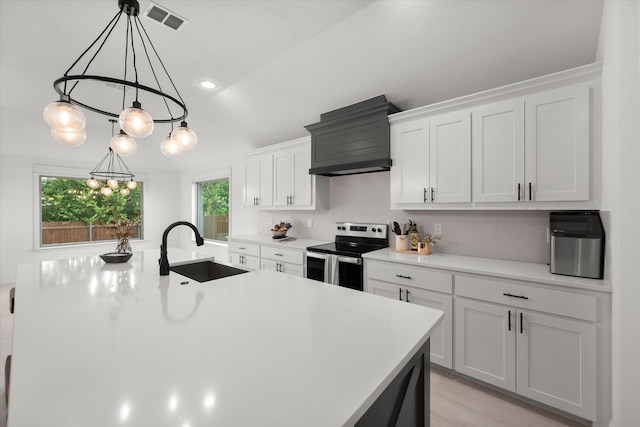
67 121
112 173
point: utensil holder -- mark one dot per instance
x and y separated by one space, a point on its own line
402 243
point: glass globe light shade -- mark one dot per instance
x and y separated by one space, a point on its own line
135 121
112 183
69 137
185 136
124 191
170 147
123 144
62 114
131 185
93 183
106 191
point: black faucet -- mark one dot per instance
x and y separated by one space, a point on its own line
164 261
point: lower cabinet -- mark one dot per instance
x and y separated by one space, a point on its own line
411 284
258 257
544 357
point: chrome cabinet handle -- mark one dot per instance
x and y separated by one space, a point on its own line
432 198
515 296
408 295
425 195
279 254
400 294
403 277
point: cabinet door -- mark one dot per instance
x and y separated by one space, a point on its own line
258 185
384 289
442 337
498 151
282 267
244 261
485 342
251 182
410 155
557 145
282 177
302 181
450 158
556 362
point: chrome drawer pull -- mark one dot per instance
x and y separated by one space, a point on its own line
403 277
515 296
279 254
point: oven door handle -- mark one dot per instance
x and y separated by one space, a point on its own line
316 255
350 260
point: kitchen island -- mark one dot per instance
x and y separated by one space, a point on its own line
116 344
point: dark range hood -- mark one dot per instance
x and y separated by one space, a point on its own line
353 139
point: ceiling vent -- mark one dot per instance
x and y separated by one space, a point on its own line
164 16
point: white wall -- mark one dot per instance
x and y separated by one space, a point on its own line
517 235
18 210
619 50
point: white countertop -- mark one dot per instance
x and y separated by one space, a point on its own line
266 239
99 344
517 270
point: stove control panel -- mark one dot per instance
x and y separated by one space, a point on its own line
376 231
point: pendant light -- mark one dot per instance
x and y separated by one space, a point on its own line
65 116
112 173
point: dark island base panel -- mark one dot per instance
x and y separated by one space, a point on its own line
405 402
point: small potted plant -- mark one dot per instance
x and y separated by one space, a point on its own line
425 246
122 229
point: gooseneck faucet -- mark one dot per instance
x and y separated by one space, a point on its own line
164 261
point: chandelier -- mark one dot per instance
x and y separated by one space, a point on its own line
67 120
112 173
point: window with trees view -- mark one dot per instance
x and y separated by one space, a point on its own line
213 209
71 212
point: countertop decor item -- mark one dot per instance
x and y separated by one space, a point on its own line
122 228
83 86
279 231
116 257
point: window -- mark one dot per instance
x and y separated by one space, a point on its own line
212 208
72 213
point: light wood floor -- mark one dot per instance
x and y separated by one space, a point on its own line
454 401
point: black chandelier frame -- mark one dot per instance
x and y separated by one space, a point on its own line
131 8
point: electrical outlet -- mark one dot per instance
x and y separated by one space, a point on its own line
310 223
437 229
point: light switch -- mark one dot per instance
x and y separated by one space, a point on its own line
437 229
310 223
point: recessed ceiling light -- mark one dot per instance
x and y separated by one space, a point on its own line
207 84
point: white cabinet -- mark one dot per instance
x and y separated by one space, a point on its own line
257 257
416 285
431 161
245 255
545 357
533 148
293 186
282 260
258 181
278 178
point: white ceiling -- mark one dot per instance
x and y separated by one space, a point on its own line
280 64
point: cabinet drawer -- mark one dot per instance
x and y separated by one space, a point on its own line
407 275
562 303
244 248
285 255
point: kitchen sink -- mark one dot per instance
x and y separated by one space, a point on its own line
205 271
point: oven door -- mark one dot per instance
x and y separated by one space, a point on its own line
316 266
350 272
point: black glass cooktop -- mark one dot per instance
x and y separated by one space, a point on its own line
346 249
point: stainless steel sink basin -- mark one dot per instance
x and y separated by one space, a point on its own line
205 271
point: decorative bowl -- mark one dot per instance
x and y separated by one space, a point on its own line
114 257
279 234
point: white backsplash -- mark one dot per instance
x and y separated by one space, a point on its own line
515 235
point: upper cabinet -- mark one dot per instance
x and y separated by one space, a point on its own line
278 178
258 181
533 148
522 146
431 161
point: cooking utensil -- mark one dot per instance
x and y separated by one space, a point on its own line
396 228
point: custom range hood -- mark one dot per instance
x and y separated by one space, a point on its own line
353 139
